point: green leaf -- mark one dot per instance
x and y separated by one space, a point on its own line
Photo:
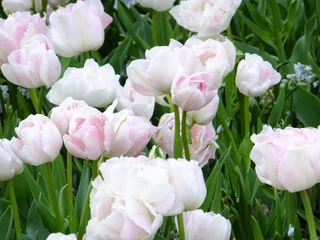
263 35
277 109
34 226
244 151
82 190
123 16
6 224
58 172
262 217
307 107
315 68
159 237
47 218
118 58
256 231
216 201
211 181
291 207
297 229
161 28
278 212
34 187
63 201
303 44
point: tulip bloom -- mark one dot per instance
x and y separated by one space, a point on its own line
97 86
78 27
287 159
199 225
39 140
207 18
255 76
11 165
34 65
157 5
60 236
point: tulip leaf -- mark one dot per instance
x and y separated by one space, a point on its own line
161 28
6 224
63 201
256 231
123 16
307 107
117 61
216 201
48 220
297 229
261 216
261 33
34 226
291 207
58 172
277 109
278 212
303 44
82 190
159 237
211 181
34 187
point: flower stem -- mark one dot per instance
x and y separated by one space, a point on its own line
47 174
14 205
184 136
84 214
34 98
181 227
177 153
41 98
73 226
309 215
95 170
244 114
177 146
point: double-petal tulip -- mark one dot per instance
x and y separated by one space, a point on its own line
78 27
39 140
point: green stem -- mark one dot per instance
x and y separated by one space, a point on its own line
73 225
181 227
86 55
85 214
170 103
44 7
184 136
244 114
95 170
229 33
14 205
47 174
177 146
41 98
34 99
309 215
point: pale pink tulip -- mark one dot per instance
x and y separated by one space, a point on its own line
97 86
207 18
206 114
132 133
199 225
255 76
11 165
61 236
287 159
17 27
218 56
39 140
154 75
193 92
62 114
34 65
78 27
203 145
159 6
89 133
130 99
